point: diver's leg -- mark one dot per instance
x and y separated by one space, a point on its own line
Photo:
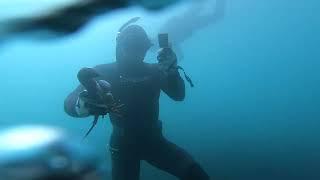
125 166
174 160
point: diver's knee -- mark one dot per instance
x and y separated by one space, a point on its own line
195 172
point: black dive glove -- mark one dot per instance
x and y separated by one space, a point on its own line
167 61
97 98
87 77
95 105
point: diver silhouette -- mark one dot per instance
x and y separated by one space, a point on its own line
137 131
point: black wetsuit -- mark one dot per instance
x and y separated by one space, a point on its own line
137 133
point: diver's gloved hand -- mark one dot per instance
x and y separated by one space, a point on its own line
167 61
98 104
86 77
88 105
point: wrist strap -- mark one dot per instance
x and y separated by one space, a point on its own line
172 65
186 76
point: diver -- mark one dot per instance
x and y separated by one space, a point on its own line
135 84
33 152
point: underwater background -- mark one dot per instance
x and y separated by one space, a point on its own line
252 115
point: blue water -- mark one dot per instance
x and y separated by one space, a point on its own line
254 113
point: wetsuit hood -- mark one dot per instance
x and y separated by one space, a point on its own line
132 45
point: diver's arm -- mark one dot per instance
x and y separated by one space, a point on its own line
173 85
